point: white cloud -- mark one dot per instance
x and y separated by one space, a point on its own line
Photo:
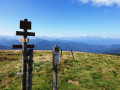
101 2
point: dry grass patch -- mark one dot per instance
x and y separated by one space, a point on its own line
73 82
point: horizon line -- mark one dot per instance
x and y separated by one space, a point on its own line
67 36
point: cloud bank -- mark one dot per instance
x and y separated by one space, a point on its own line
101 2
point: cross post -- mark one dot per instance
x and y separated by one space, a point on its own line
25 25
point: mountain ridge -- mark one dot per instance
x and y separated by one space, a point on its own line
42 44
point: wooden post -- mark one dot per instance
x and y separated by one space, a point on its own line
61 54
25 25
24 50
55 61
29 69
69 53
72 53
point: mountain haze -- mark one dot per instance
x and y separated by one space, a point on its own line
82 44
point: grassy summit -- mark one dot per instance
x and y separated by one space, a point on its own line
87 71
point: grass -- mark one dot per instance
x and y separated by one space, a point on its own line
87 72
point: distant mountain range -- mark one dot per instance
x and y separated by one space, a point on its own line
115 49
82 44
85 39
5 47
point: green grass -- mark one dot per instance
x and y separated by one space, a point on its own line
87 72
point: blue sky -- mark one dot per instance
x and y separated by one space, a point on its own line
62 18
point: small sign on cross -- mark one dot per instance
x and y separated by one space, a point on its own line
25 24
24 40
56 54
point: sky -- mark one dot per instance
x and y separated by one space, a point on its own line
62 18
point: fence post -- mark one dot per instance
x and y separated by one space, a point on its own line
72 53
29 69
61 54
55 61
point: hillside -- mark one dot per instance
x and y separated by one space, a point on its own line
87 71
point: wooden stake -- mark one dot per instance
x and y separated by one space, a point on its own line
54 71
29 69
24 50
61 54
72 53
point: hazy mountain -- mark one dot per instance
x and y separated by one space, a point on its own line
5 47
83 44
82 39
85 39
47 45
115 49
